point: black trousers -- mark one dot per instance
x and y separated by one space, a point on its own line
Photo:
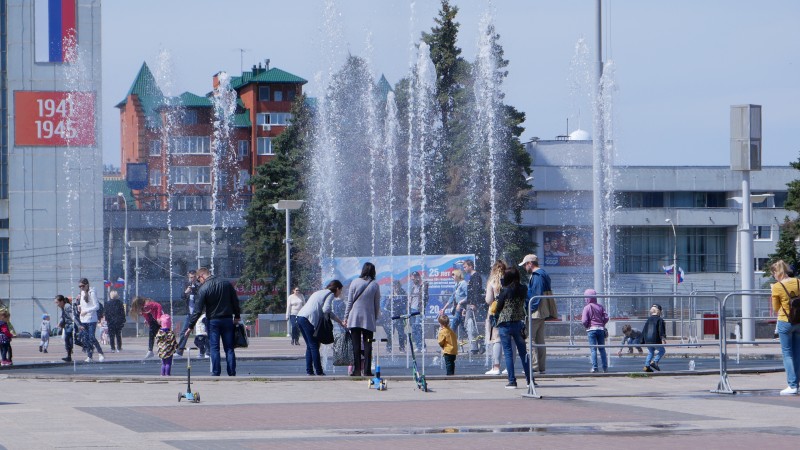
115 337
450 364
362 339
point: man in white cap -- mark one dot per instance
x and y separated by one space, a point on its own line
538 285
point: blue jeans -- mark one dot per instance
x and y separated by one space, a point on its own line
659 351
295 328
312 346
512 331
598 337
221 328
789 335
91 329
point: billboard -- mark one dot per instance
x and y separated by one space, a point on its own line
567 248
436 270
54 118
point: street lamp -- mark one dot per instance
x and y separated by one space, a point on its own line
286 206
125 247
137 245
674 259
199 229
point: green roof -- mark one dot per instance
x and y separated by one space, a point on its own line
273 75
242 120
383 88
144 86
112 187
189 100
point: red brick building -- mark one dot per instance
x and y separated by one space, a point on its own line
173 138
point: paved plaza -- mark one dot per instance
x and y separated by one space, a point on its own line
620 410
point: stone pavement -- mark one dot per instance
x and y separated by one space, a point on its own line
633 411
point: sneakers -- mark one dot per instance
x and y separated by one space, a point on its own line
493 372
647 369
594 370
789 391
148 355
88 360
206 356
44 351
504 372
5 362
511 385
40 349
655 366
67 359
101 357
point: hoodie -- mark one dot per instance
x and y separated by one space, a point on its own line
594 315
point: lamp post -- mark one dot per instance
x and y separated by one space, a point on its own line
199 229
137 245
675 270
125 247
286 206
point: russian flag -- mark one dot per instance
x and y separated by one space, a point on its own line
669 270
55 24
106 284
119 283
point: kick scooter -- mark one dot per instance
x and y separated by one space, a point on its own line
419 378
193 397
378 382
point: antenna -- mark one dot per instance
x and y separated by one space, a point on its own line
241 58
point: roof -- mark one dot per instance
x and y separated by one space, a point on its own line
242 120
383 88
189 100
144 85
259 75
113 187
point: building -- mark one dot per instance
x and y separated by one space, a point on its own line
699 201
51 210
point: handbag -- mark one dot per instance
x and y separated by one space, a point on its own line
239 336
324 331
605 332
343 349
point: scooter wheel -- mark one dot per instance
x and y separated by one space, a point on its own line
197 397
369 383
423 385
180 396
383 386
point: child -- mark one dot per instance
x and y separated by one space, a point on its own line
447 340
103 331
654 332
632 337
167 344
201 337
5 338
45 333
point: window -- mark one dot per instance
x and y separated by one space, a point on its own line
155 178
244 177
278 96
265 146
779 200
263 93
3 223
191 203
764 232
155 148
273 118
243 149
190 117
190 145
3 255
647 250
290 95
760 264
191 175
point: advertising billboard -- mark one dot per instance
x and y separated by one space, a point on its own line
54 119
567 248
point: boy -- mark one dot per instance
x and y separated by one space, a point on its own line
632 337
447 340
654 332
45 342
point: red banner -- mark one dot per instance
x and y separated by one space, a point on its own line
54 119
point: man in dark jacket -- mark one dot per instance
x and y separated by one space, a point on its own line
218 299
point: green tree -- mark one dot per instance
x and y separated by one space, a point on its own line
786 248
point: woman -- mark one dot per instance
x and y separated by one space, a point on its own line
510 321
151 311
308 318
115 316
361 316
67 324
492 292
594 319
88 307
295 303
788 334
457 300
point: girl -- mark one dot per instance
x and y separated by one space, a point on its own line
5 338
594 318
45 342
67 324
151 311
492 292
789 334
167 344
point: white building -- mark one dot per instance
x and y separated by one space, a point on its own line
51 211
698 200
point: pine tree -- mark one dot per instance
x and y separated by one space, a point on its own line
786 248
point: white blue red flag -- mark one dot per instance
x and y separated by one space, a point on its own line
669 270
55 25
119 283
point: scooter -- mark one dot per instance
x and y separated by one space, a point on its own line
378 382
419 378
193 397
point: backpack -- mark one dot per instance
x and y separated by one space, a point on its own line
101 310
793 316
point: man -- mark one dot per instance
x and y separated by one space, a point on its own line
475 304
538 285
417 298
189 294
218 299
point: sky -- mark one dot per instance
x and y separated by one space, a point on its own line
678 65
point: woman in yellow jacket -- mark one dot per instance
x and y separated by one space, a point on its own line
789 335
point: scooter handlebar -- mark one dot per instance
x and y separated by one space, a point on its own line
406 316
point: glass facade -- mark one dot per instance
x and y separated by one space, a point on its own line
647 250
3 100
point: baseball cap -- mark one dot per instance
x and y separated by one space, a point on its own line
529 258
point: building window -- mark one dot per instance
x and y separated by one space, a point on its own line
779 200
278 96
760 264
3 223
190 175
243 149
764 232
195 145
290 95
273 118
647 250
155 148
263 93
3 255
190 117
191 203
155 178
265 146
244 177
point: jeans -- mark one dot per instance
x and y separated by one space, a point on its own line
789 336
659 353
450 364
511 335
68 342
4 352
151 337
295 328
91 330
598 337
312 346
115 337
221 328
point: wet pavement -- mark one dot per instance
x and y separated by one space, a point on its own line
272 409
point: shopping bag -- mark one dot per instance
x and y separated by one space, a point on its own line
239 336
343 349
324 331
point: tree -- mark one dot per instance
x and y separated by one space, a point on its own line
786 248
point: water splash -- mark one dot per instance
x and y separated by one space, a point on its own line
224 101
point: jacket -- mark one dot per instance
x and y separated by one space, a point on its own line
511 304
780 298
166 342
364 311
594 315
89 306
447 340
539 284
115 313
654 331
474 288
319 303
218 299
